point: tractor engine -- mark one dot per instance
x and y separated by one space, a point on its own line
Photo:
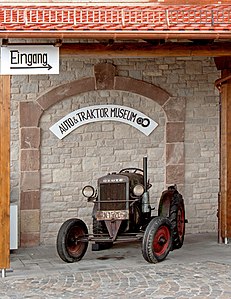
121 203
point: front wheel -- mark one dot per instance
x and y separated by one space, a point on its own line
157 240
71 240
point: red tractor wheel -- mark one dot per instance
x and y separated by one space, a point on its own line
72 240
157 240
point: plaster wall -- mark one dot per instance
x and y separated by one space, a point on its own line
96 149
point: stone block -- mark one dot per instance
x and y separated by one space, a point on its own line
90 163
104 76
46 176
30 221
30 200
175 109
30 138
175 132
29 239
29 88
30 160
193 67
122 131
60 175
175 174
67 90
30 180
142 88
175 153
30 113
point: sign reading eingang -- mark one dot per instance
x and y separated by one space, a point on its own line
91 114
29 59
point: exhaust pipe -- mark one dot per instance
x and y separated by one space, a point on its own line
145 169
145 199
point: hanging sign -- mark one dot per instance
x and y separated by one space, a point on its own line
91 114
29 59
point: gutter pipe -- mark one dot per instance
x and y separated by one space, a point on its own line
117 35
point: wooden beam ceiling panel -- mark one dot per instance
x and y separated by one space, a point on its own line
145 49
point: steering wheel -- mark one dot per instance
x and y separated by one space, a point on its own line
132 170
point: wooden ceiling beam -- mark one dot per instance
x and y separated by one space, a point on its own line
143 49
223 63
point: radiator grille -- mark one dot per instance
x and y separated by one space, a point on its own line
113 196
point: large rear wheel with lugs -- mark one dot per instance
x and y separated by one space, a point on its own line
157 240
171 205
177 218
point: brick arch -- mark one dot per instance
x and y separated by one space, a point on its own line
104 79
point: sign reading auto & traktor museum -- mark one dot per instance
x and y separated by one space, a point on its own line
91 114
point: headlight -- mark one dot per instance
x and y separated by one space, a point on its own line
88 191
138 190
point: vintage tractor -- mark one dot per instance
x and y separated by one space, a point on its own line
122 212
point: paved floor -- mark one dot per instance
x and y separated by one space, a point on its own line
200 269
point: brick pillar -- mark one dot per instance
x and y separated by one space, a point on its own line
30 174
175 154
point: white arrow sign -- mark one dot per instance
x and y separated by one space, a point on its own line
21 60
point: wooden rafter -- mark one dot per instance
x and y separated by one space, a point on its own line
145 49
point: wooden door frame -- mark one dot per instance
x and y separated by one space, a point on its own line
4 173
224 204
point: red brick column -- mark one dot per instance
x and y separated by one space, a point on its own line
30 113
175 153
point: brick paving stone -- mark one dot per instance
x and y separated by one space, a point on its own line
214 281
205 273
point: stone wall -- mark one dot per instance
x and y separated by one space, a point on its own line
95 149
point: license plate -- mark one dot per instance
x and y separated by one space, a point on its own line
112 215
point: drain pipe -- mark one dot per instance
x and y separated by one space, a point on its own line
219 193
117 35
